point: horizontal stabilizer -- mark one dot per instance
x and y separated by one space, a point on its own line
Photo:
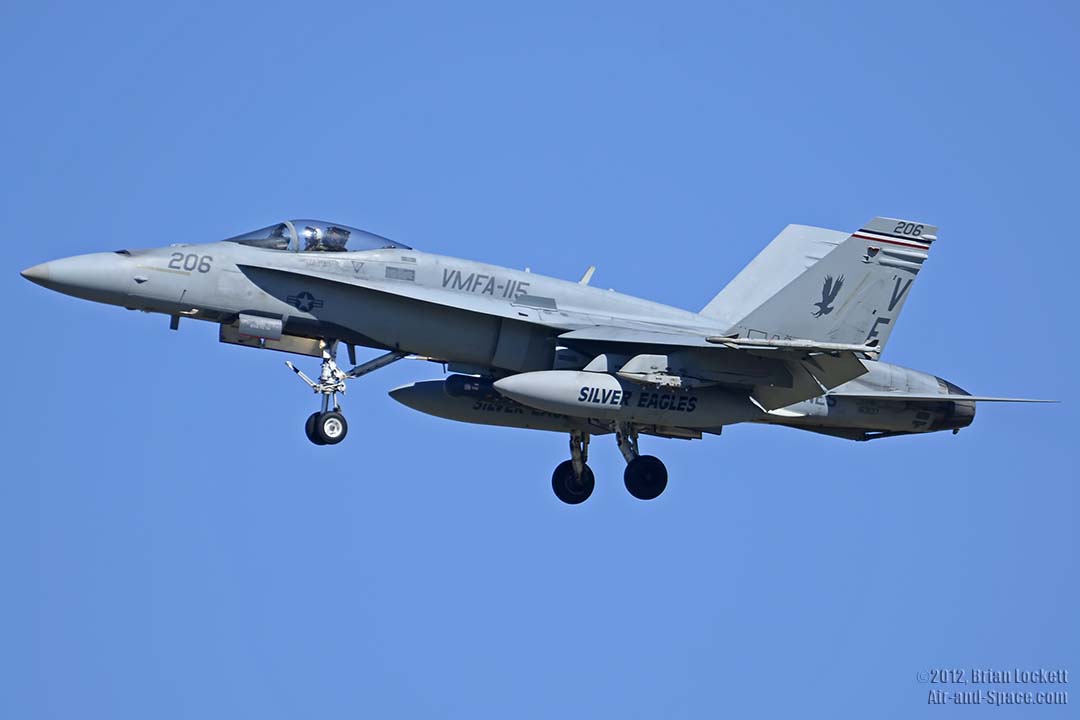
926 397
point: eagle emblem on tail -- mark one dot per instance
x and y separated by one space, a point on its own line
829 290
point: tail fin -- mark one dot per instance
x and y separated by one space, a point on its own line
824 285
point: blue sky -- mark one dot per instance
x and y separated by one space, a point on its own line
173 547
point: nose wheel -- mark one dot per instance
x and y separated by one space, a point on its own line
309 429
328 426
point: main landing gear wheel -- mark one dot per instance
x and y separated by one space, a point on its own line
573 480
645 477
570 488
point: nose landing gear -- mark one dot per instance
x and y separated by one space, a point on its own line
328 426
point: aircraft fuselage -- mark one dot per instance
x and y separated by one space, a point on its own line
460 312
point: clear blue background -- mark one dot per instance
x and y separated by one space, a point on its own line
173 547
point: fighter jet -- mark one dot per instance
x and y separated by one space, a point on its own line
795 339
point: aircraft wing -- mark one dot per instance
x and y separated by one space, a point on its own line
631 336
638 336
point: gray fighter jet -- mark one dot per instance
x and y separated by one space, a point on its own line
795 339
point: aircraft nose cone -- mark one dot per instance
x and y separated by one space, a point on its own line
98 276
37 274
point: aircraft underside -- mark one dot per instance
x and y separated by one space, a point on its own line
584 403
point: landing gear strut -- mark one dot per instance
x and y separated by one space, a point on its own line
328 426
573 480
645 475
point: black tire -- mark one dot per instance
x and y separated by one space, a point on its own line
568 487
309 429
331 428
645 477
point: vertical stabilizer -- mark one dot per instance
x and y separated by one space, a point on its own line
817 284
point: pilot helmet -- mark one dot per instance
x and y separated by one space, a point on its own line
312 237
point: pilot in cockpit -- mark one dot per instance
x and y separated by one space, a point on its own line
312 238
336 238
333 239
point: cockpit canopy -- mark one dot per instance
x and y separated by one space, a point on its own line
315 236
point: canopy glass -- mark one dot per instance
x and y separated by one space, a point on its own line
315 236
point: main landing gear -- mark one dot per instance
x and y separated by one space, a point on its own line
645 476
573 481
328 426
